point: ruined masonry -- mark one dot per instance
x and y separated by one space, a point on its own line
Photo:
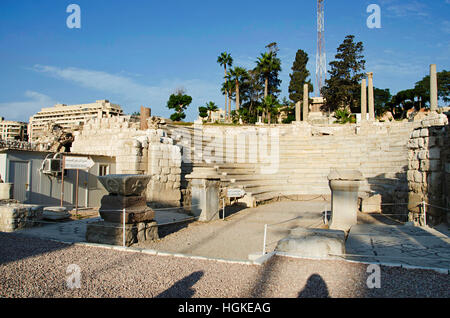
136 151
428 169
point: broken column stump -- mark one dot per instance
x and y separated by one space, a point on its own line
124 207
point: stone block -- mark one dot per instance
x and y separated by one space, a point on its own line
413 164
413 144
416 133
371 204
423 154
112 233
313 243
430 165
424 132
418 176
136 209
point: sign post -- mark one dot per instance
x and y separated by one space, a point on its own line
77 163
235 193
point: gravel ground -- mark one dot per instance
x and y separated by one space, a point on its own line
31 267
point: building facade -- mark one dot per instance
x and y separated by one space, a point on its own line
13 130
69 117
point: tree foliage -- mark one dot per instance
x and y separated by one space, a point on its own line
299 77
342 89
179 102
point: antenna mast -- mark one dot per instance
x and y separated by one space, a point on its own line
321 60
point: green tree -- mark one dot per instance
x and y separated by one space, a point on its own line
203 112
299 77
402 102
381 100
211 107
227 89
422 88
271 105
179 102
225 60
238 75
269 66
342 89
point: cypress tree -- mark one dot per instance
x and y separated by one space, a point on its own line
299 77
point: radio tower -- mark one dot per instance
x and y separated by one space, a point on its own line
321 60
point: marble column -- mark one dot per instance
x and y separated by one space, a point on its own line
371 97
364 99
305 102
433 88
145 115
297 111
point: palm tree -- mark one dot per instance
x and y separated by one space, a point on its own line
266 65
227 89
238 74
211 107
271 105
225 60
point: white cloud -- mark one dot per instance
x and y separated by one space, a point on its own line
22 110
134 93
413 8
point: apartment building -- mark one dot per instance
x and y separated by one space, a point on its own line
13 130
70 116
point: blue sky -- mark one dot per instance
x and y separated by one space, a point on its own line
138 52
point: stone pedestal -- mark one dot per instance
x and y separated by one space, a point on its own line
111 233
136 209
344 186
205 187
125 194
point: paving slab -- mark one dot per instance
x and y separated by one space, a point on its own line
75 231
403 245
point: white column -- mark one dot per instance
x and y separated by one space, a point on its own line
433 88
371 97
364 99
305 102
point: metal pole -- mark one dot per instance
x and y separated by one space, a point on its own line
424 213
223 213
123 230
265 236
76 192
62 181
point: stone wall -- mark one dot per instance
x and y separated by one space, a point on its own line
295 162
136 152
18 216
427 181
164 165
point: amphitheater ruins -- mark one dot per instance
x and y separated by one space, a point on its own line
403 167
